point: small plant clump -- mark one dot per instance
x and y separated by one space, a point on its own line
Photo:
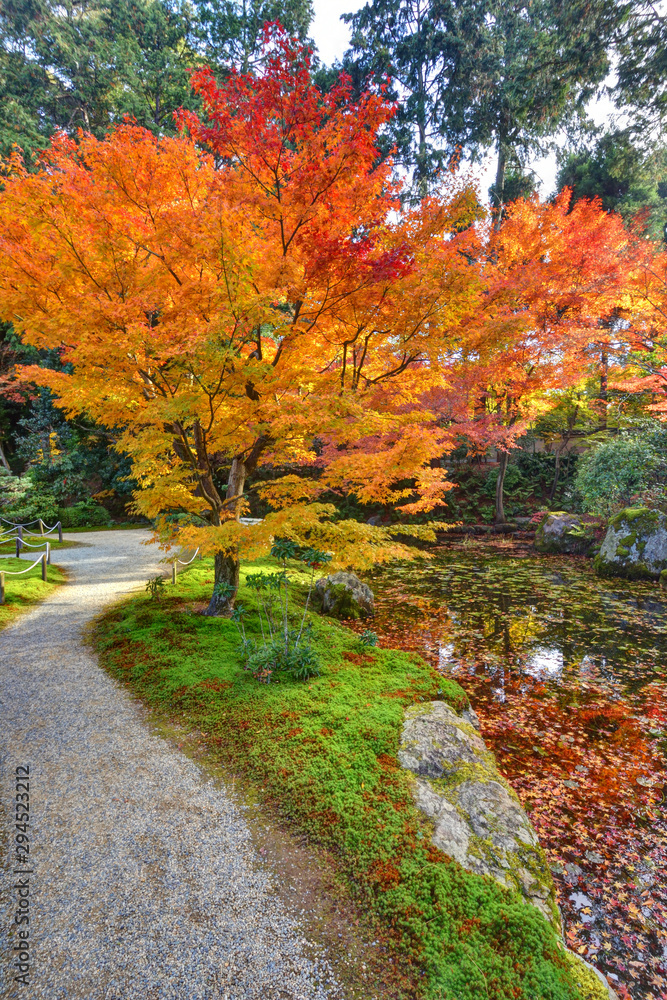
155 587
283 649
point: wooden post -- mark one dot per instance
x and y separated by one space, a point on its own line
2 588
173 572
18 546
19 539
41 526
44 566
60 532
48 553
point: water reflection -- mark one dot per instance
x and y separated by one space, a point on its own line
545 662
568 673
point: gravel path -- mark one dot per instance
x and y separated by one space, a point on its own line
145 882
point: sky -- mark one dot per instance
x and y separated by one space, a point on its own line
330 34
332 37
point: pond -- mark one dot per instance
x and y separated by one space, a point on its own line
568 674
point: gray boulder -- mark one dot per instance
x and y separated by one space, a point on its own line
345 596
635 545
563 534
477 818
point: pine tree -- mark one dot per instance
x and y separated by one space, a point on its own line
484 73
230 31
87 63
625 176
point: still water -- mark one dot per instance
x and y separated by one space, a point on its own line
568 674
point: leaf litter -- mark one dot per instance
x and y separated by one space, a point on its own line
568 674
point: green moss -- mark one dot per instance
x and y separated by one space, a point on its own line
642 519
588 983
326 752
629 571
23 592
344 604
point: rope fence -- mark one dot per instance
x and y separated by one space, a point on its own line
174 565
37 545
21 572
19 530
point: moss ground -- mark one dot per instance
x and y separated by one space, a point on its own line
324 753
23 592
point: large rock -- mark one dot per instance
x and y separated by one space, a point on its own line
635 545
345 596
478 820
562 533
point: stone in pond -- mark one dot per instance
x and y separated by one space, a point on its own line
635 545
345 596
563 534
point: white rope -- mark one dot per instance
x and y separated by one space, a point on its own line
33 534
47 531
20 572
189 560
36 545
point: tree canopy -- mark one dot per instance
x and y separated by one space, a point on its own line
248 295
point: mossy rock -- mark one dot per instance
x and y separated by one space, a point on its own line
343 595
561 533
478 819
635 546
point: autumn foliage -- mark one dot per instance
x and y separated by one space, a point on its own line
250 296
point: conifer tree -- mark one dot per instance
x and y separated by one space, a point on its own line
485 73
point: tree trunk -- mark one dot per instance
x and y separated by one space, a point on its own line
3 459
422 168
500 183
227 565
554 485
604 391
500 485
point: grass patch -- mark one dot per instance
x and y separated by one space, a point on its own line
126 526
324 752
23 592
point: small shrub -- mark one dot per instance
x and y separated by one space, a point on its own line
155 587
85 514
284 650
608 477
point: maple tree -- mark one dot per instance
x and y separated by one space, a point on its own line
642 346
554 275
244 295
248 296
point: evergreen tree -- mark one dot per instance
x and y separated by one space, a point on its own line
405 43
627 178
230 31
642 65
86 63
482 73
